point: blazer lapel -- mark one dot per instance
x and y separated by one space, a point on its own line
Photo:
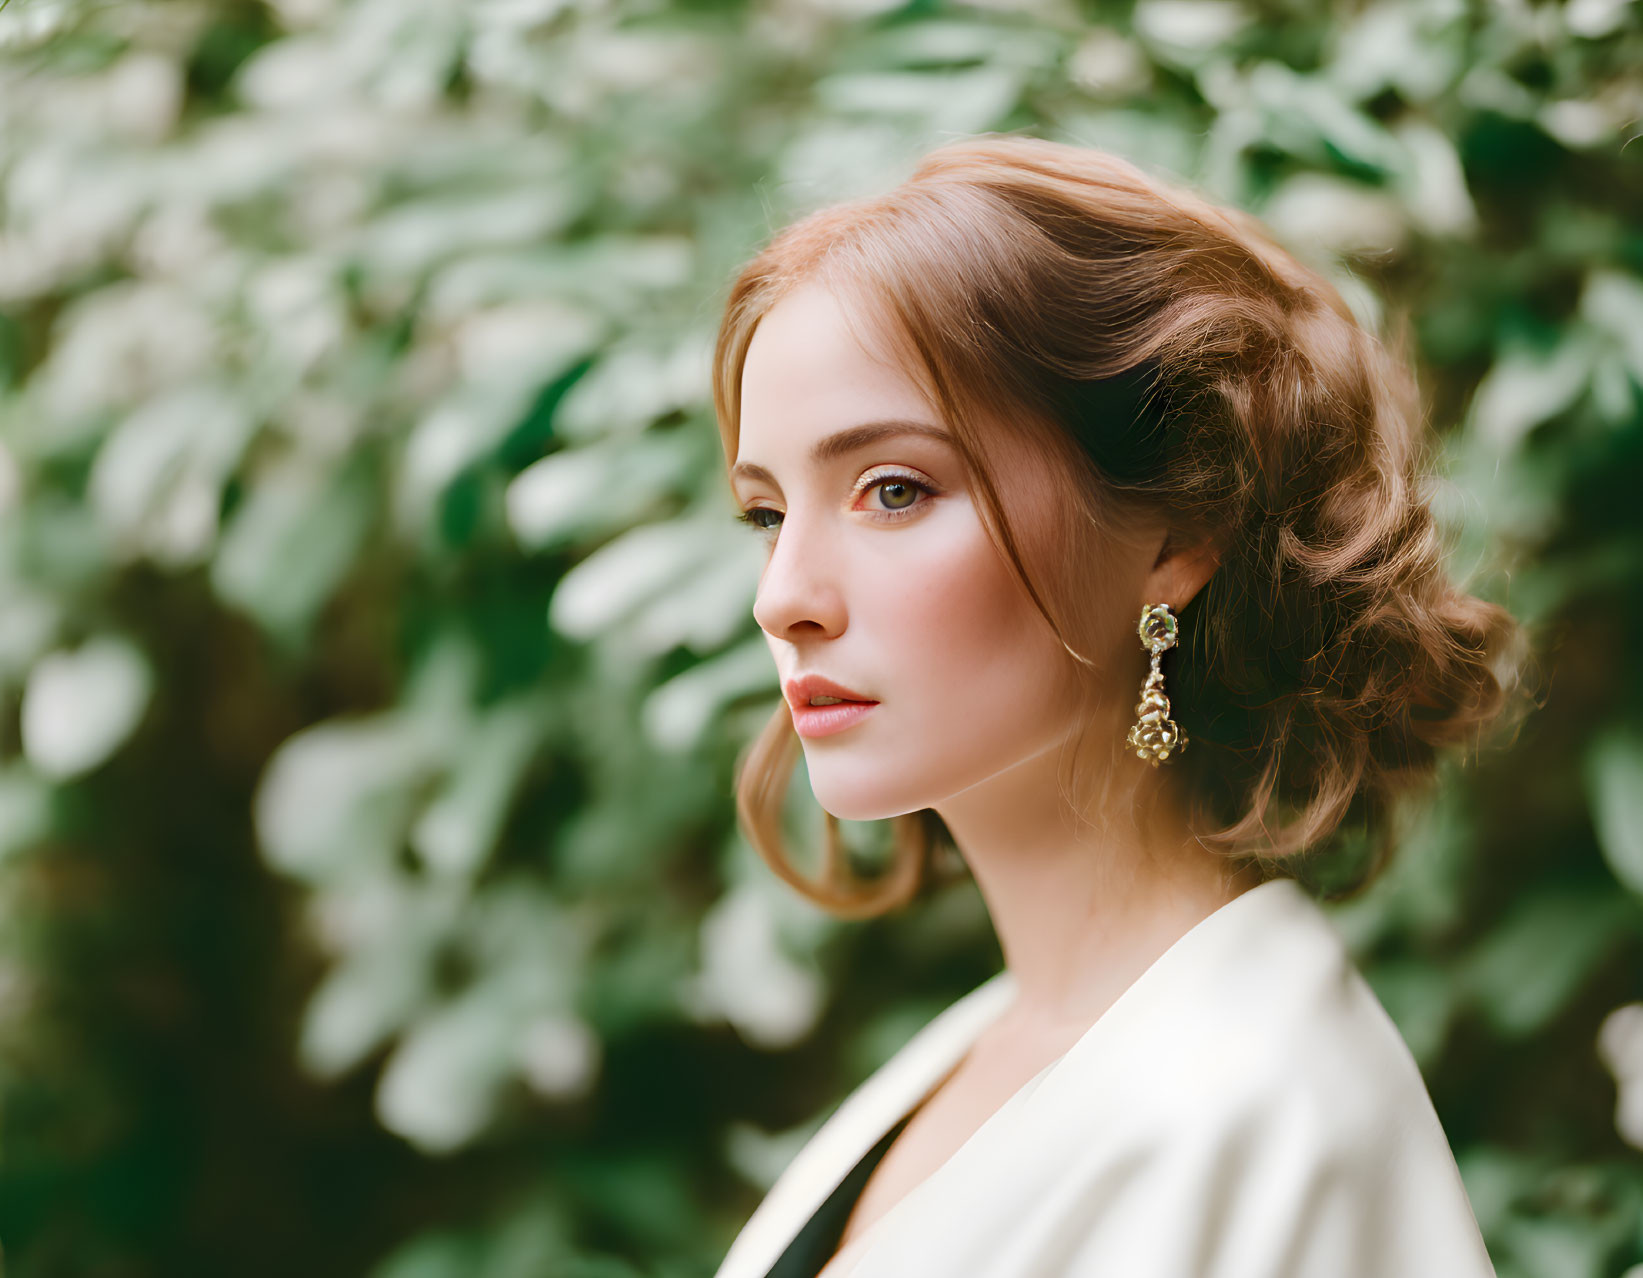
886 1097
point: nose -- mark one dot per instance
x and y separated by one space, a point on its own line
800 591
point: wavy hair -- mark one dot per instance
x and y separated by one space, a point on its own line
1173 362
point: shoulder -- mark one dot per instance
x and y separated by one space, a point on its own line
1298 1028
1278 1029
1266 1102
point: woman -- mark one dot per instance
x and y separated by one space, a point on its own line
1012 432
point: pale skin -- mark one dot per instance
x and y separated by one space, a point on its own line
921 613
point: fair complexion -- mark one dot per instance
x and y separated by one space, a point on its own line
881 576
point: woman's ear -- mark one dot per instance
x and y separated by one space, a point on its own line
1181 570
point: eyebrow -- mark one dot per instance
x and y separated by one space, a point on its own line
847 441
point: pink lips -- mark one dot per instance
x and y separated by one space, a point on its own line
824 721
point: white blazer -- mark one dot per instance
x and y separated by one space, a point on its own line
1245 1109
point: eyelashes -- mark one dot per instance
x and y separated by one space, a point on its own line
753 516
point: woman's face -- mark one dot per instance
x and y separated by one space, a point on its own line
881 576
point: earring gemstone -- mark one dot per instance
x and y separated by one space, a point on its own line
1158 629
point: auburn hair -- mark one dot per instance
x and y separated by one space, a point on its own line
1171 360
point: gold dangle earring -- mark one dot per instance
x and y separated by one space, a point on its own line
1155 734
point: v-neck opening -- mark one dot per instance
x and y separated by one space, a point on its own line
951 1042
961 1050
816 1245
861 1241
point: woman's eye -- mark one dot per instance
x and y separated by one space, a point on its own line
900 491
899 498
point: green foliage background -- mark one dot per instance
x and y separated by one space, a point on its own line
375 637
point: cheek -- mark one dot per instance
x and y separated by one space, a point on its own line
969 644
973 679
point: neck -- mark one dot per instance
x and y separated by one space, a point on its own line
1080 913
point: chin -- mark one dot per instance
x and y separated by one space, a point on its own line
866 803
846 810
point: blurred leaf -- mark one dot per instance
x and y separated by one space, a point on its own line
288 546
1420 1000
1417 50
954 101
747 977
25 809
1614 782
1432 182
459 826
1535 960
1612 302
81 704
625 575
1187 30
364 1001
157 480
443 1079
679 712
336 797
594 491
1305 115
1526 387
